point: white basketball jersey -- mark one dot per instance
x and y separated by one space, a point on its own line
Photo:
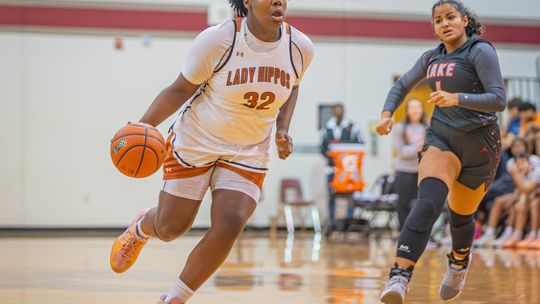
240 102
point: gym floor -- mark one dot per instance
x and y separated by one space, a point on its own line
260 269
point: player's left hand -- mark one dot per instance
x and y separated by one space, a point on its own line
443 99
284 144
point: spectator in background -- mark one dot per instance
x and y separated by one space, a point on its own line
535 212
513 121
527 179
503 183
502 206
529 117
520 146
532 203
408 142
530 125
338 129
512 124
502 194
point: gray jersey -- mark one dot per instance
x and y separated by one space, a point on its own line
472 70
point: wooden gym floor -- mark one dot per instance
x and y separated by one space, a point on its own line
259 270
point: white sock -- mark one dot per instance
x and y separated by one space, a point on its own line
139 232
507 232
538 233
179 291
532 234
517 234
490 232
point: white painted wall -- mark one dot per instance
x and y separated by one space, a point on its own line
491 9
12 130
62 96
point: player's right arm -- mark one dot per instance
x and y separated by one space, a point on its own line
398 92
205 55
169 101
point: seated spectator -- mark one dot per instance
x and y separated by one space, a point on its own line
533 237
502 206
530 125
520 146
503 184
512 124
513 121
527 179
535 211
503 197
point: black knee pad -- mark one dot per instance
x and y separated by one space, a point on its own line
432 195
423 215
433 188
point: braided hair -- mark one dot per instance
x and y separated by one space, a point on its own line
239 8
474 27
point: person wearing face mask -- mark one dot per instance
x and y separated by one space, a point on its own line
240 79
462 148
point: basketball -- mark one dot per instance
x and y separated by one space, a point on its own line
137 150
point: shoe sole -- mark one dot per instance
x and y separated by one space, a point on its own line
449 299
392 297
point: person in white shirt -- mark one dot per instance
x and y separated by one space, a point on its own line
502 204
240 78
526 176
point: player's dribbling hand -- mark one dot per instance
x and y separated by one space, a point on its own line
443 99
284 144
385 124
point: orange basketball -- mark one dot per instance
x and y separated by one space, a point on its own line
138 150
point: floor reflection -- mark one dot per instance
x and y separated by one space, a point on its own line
294 269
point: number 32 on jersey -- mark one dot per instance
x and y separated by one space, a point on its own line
259 102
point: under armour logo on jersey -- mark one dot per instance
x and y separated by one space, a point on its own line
239 54
484 149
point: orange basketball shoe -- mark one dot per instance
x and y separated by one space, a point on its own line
127 246
173 301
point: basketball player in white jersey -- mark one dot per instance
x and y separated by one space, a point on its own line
240 78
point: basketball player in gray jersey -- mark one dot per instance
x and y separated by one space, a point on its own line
462 147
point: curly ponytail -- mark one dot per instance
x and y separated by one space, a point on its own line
239 8
474 27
